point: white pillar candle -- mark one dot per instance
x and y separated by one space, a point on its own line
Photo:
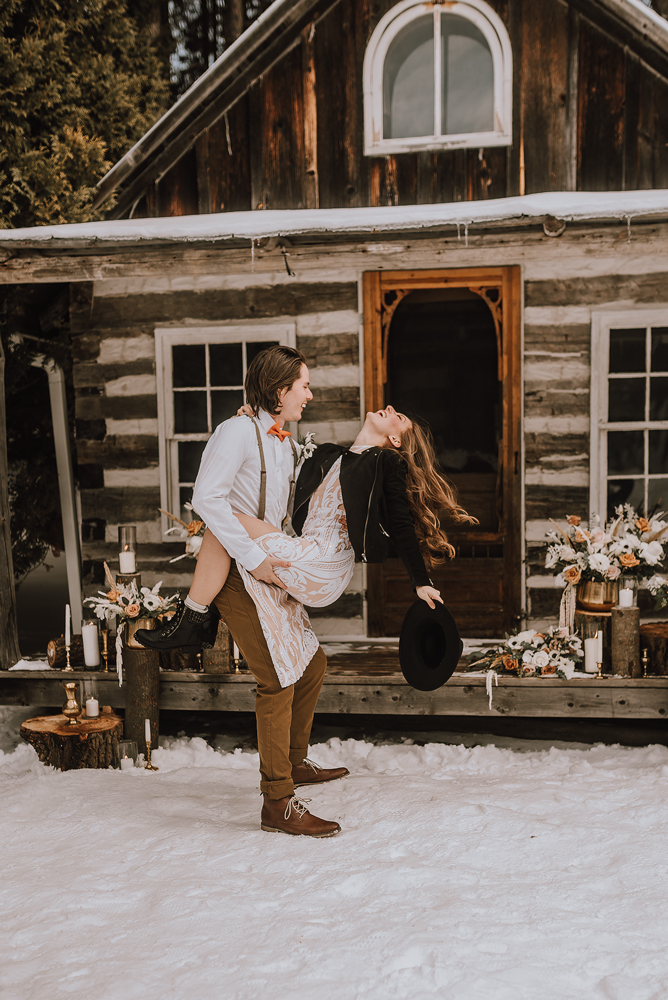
127 763
92 708
147 730
626 598
126 562
599 648
67 625
591 655
91 644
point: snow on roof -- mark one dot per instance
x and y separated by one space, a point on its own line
568 206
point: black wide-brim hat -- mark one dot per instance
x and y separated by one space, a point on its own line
429 646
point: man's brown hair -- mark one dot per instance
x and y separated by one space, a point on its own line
270 371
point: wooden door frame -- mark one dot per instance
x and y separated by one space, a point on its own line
382 292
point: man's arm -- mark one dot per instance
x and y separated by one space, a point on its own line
227 450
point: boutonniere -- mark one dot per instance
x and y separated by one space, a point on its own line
308 445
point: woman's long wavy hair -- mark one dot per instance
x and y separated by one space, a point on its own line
429 494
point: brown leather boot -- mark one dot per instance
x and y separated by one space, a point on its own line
290 815
310 773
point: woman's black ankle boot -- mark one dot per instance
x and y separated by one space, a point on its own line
187 630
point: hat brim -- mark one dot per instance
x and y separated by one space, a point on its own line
429 646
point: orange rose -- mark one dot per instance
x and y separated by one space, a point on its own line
573 520
132 610
509 663
112 596
528 670
581 536
572 574
628 559
551 668
642 524
194 527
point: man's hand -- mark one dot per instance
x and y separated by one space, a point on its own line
429 594
245 411
265 571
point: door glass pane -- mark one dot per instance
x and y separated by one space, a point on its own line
626 491
185 496
225 404
658 452
658 398
627 350
657 495
660 349
408 81
188 365
190 455
253 348
626 399
468 78
190 413
625 452
225 364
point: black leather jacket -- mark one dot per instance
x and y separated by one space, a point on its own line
373 489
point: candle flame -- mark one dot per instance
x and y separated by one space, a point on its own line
127 548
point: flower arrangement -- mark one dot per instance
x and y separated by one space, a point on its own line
128 602
308 445
658 587
628 544
190 533
553 652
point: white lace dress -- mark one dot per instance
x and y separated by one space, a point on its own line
322 563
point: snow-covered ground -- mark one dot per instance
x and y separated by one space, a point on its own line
468 873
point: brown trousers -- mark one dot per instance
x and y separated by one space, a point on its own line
284 715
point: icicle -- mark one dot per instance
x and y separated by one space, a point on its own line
119 653
459 235
466 234
567 608
492 678
227 134
628 228
252 255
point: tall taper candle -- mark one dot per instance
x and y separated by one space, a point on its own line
67 625
147 730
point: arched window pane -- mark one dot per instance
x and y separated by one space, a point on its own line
408 82
468 78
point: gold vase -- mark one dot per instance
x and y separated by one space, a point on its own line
131 628
71 708
594 596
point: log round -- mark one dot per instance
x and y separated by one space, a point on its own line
626 642
87 744
141 679
56 653
654 638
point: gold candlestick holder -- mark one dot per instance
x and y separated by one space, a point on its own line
71 708
645 661
68 665
105 650
599 675
148 766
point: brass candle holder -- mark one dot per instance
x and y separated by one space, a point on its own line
645 661
105 650
599 675
148 766
68 665
71 708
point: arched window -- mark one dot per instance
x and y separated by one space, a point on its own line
437 76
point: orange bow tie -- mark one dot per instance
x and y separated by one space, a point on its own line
279 432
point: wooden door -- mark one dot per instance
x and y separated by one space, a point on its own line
446 346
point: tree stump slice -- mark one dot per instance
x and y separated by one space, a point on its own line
219 660
654 638
87 744
626 642
141 679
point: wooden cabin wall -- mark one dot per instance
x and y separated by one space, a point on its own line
588 114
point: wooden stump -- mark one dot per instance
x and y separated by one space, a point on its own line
626 642
141 679
219 660
603 622
56 654
654 638
87 744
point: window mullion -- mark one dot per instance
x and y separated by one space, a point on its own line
207 369
438 67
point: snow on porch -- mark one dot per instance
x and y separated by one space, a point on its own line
462 872
568 206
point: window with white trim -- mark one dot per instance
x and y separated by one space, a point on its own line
437 77
630 410
201 373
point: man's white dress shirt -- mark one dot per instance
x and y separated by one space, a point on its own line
228 483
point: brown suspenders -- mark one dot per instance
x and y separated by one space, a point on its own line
263 477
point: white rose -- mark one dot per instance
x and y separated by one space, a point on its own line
599 562
651 552
528 656
541 658
525 636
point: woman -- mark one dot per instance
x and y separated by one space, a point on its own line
349 504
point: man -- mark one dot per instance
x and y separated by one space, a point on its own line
229 482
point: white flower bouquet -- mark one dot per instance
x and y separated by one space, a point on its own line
554 652
627 545
307 445
127 603
190 533
658 587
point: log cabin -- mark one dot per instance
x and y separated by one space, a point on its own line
458 207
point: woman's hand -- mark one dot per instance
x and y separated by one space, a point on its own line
245 411
429 594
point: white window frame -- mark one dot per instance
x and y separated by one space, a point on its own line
165 339
602 322
394 21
